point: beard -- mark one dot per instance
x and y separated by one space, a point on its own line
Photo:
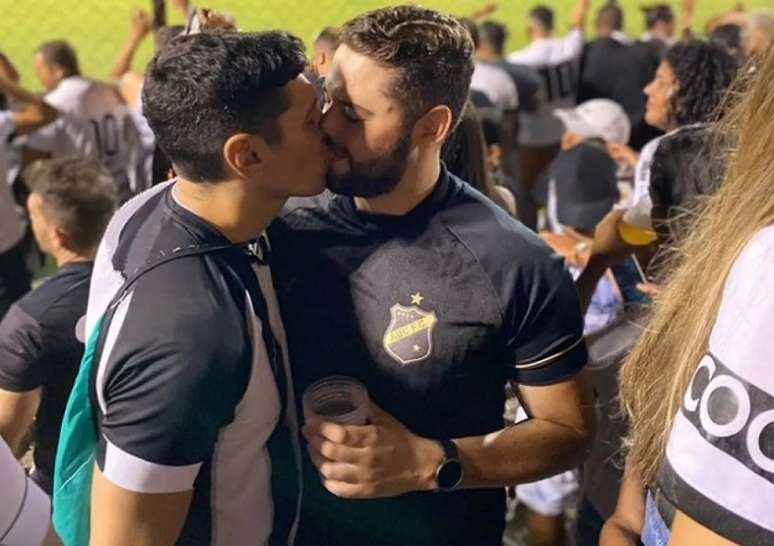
374 177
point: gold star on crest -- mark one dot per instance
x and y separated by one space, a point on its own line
416 299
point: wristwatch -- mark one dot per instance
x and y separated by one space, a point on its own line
448 477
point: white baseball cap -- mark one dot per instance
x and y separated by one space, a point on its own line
598 118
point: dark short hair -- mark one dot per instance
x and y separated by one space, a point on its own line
432 52
495 34
611 16
202 89
728 36
704 72
78 194
61 54
543 15
658 13
329 36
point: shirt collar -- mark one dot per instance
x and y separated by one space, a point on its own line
387 222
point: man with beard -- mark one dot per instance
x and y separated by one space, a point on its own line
424 290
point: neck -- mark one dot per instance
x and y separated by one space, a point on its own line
417 183
237 214
541 35
604 32
64 256
487 55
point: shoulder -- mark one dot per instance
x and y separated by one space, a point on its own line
60 290
498 241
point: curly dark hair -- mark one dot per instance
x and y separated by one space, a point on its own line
704 73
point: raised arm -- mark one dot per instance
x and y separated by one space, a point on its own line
34 113
580 13
140 25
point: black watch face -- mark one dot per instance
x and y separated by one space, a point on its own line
449 475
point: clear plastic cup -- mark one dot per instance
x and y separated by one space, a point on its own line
636 227
338 399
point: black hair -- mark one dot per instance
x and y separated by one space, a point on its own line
611 16
464 154
495 34
544 15
704 72
729 37
202 89
659 13
61 54
686 169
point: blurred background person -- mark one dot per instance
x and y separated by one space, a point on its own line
697 387
41 337
556 60
689 86
760 32
613 68
25 513
660 25
95 119
465 154
325 45
31 113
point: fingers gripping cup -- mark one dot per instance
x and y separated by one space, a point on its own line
338 399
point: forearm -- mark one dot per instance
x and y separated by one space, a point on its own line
580 13
586 283
616 533
124 61
522 453
17 415
35 111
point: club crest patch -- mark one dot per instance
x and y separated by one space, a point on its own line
409 336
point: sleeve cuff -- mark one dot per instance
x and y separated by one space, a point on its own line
134 474
553 368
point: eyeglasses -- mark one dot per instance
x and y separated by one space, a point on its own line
324 100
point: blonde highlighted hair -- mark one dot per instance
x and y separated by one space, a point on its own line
660 368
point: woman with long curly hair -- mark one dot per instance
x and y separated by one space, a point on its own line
698 388
689 86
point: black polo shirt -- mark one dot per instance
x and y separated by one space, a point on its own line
434 311
39 348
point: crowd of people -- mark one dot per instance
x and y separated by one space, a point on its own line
549 268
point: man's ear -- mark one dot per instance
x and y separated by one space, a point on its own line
433 128
242 154
60 239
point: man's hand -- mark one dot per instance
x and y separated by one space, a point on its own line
623 154
210 20
140 24
182 7
381 459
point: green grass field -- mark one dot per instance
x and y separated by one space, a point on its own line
97 28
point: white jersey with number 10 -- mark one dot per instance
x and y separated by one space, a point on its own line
95 122
557 61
